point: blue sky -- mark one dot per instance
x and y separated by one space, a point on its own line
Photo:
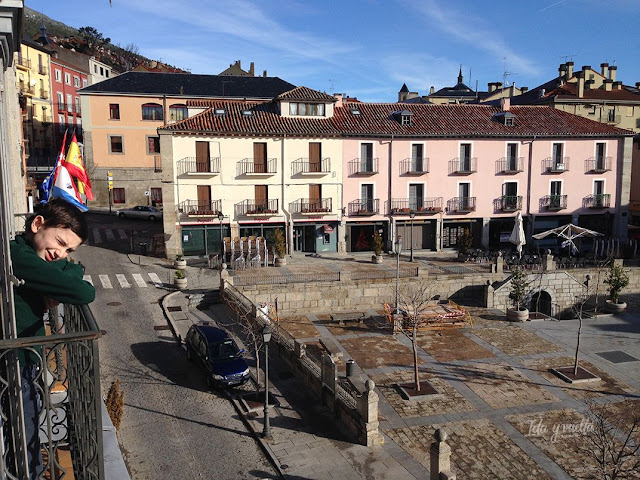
369 48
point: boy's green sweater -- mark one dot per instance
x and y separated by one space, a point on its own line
60 280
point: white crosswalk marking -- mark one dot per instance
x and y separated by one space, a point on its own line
96 236
155 279
123 234
122 280
104 279
110 236
139 280
87 278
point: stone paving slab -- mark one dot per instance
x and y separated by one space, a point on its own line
482 450
299 326
378 351
513 340
450 345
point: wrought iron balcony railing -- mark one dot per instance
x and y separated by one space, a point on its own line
462 204
44 93
414 166
68 381
363 166
420 206
311 205
42 69
510 165
598 200
554 202
306 166
462 166
23 62
555 165
598 164
62 106
511 203
367 207
192 166
247 166
257 208
198 208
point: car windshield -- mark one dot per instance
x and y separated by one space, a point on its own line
223 350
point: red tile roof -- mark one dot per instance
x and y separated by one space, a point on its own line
305 93
570 91
377 119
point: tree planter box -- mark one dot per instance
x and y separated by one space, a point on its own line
515 315
615 307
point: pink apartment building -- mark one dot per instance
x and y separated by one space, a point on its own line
446 168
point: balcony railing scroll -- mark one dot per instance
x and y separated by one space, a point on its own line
463 166
199 208
312 206
510 165
600 200
419 206
363 166
598 164
191 165
462 204
511 203
257 208
307 166
414 166
247 166
554 202
68 381
366 207
555 164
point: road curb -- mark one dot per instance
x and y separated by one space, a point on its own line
164 304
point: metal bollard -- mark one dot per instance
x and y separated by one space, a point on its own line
349 367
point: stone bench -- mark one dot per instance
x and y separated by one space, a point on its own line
341 318
332 348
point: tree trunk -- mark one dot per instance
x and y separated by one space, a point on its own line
416 375
575 365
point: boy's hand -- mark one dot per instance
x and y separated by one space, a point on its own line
50 303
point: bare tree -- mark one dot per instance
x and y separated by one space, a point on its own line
612 442
413 300
578 310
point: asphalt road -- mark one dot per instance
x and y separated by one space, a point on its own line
172 426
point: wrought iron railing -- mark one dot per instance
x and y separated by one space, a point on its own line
364 207
199 208
267 279
253 207
68 382
510 165
419 206
511 203
463 166
554 202
24 62
304 165
363 166
598 164
414 166
42 69
44 93
601 200
250 166
312 205
555 164
462 204
192 165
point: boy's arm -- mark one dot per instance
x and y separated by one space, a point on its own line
59 280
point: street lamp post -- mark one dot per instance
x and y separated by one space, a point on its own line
412 214
398 244
266 337
221 217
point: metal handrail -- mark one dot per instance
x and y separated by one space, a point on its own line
555 165
363 166
248 166
312 205
419 206
414 166
554 202
462 204
598 164
510 164
364 207
192 165
200 208
304 165
463 166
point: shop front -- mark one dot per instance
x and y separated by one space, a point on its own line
360 235
500 230
202 239
452 230
314 236
423 234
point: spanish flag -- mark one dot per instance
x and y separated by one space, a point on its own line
75 166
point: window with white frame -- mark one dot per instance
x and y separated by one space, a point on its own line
306 109
58 75
76 81
67 79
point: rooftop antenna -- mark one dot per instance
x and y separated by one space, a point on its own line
568 57
333 86
506 74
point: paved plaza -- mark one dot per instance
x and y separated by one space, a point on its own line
496 396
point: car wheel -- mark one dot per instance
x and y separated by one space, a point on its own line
121 215
152 218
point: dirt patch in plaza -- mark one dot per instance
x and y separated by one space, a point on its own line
375 323
299 326
451 345
477 448
513 340
378 351
608 385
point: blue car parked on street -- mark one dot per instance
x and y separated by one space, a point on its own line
216 351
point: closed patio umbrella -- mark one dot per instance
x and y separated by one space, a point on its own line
517 235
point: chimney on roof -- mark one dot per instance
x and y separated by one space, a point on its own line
580 76
562 71
338 97
264 73
638 85
569 69
512 90
432 90
607 84
604 70
498 85
492 86
617 85
238 64
524 90
612 72
505 104
252 70
585 68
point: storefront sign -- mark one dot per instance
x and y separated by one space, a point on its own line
327 229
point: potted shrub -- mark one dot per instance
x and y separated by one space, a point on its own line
377 245
179 280
616 279
180 262
279 248
465 241
517 292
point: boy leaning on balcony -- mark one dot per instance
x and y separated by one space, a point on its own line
39 257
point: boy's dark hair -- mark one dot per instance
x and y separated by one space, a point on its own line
61 214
